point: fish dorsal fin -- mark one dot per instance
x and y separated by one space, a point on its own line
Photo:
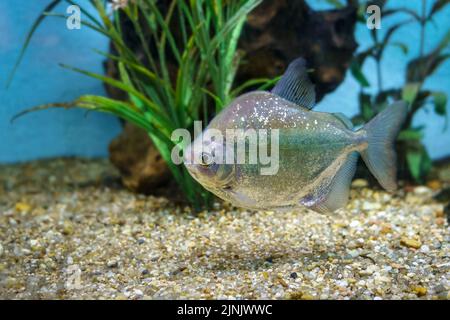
339 189
346 121
296 86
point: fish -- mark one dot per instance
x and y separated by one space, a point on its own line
317 151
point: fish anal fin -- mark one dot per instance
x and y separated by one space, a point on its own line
338 191
296 86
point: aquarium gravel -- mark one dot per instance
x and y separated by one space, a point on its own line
69 230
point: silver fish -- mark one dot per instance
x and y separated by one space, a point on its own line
318 151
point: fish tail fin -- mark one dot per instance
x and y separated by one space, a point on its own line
380 156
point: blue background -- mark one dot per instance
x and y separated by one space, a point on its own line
40 80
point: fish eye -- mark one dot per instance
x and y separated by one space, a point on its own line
206 159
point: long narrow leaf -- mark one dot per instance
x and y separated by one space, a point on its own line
30 34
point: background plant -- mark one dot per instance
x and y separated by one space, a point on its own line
162 98
412 151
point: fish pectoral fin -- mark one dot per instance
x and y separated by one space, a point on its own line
296 86
338 190
244 200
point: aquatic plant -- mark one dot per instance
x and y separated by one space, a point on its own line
413 153
198 37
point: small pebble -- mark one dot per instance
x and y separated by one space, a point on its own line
410 243
422 191
360 183
138 293
112 264
439 288
444 295
434 184
420 291
22 207
367 206
33 242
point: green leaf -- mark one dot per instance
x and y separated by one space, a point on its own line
401 45
361 57
408 11
358 120
361 13
357 73
438 5
232 57
92 26
366 107
414 160
440 105
389 33
85 13
336 4
419 163
440 102
121 109
410 134
134 66
164 24
383 96
263 83
270 83
214 97
410 91
244 10
422 67
115 83
445 41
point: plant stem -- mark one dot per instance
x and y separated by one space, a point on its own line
378 61
379 76
422 27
